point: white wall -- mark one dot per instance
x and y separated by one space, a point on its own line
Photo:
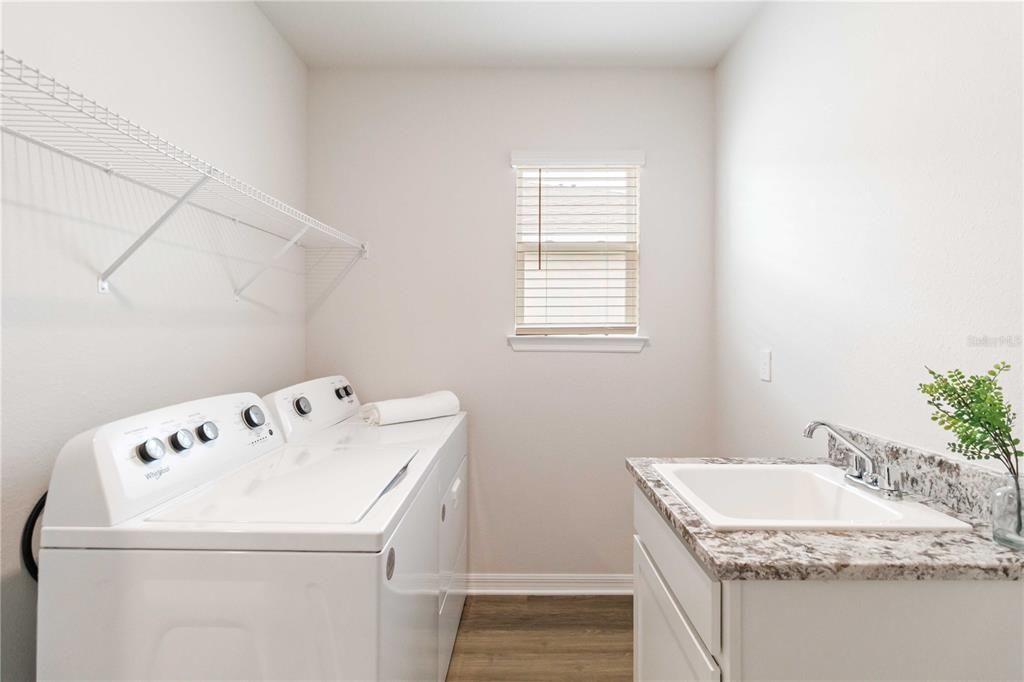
869 210
869 214
418 162
218 80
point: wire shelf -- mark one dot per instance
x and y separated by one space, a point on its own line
38 108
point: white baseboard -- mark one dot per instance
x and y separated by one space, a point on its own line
550 583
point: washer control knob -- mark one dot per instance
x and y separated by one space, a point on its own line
182 440
207 432
254 417
152 450
340 392
348 390
303 406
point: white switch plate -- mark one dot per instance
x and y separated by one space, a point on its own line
765 366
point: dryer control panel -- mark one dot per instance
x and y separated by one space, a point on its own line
119 470
310 407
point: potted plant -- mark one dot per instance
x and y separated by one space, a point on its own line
974 410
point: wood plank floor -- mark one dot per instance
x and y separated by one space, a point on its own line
533 638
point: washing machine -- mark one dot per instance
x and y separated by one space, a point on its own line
194 543
323 413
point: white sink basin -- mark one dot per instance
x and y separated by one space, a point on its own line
793 496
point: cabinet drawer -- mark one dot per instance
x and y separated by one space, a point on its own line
699 595
665 646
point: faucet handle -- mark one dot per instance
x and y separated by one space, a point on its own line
887 486
854 466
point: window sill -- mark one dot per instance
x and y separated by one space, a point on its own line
579 344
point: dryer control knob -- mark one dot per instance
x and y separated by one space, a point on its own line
254 417
340 392
303 406
182 440
207 431
152 450
348 390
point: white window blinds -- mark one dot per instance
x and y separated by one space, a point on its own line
576 250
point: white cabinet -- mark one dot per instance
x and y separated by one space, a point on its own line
665 645
688 625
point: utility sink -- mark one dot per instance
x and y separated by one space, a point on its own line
793 497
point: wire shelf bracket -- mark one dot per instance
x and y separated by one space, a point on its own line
104 280
270 263
39 109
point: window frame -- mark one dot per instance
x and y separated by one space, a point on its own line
542 337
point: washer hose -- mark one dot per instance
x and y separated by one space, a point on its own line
26 538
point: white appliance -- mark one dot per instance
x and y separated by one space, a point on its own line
192 543
323 414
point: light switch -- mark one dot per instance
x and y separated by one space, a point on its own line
765 366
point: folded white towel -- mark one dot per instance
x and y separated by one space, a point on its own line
429 406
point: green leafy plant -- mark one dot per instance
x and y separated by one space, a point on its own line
974 409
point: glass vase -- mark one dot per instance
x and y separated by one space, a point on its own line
1007 519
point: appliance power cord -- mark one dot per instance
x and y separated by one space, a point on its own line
26 538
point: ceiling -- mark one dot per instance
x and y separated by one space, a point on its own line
524 34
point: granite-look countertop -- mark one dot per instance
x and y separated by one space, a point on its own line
827 555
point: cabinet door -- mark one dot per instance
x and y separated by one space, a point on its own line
665 647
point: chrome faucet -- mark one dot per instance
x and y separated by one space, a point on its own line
861 470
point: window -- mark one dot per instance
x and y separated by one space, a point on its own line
576 249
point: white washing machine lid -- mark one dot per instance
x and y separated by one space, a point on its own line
295 485
298 498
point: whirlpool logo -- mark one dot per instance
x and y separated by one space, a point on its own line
157 473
